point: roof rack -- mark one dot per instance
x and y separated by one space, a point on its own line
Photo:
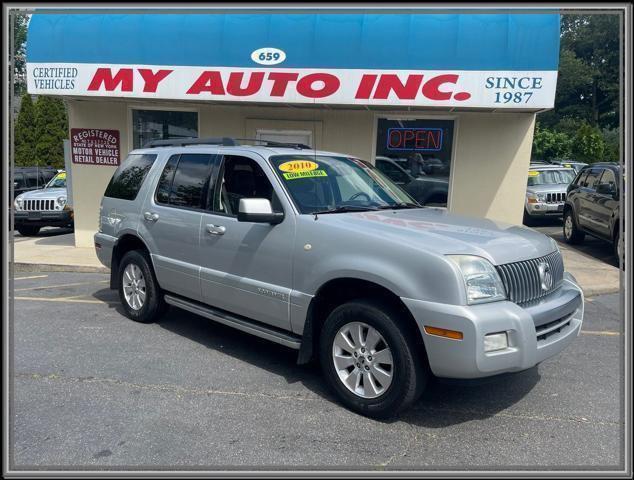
271 143
181 142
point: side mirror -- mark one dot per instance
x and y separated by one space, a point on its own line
258 210
606 189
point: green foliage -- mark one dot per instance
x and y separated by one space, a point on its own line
51 128
588 145
551 145
20 22
585 121
25 133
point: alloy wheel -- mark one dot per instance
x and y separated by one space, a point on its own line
363 360
134 289
568 226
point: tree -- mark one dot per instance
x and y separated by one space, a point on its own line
51 128
588 145
20 23
25 133
550 145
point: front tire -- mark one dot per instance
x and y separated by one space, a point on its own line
372 364
139 292
28 230
572 234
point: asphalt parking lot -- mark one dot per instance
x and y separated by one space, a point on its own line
92 389
599 249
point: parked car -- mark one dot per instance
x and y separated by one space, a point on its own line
425 189
321 253
592 206
46 207
26 179
546 191
577 166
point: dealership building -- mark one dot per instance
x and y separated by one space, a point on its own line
458 89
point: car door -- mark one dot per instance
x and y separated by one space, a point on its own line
587 187
605 202
246 268
172 215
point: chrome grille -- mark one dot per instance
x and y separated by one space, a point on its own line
38 205
555 197
521 279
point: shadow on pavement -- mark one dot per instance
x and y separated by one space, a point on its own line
594 247
441 405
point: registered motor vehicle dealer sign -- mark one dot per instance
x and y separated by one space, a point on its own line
95 146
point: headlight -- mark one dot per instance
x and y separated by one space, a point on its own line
18 203
481 280
536 197
61 201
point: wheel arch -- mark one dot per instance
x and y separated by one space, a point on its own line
341 290
125 244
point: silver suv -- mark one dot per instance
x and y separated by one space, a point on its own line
546 191
322 253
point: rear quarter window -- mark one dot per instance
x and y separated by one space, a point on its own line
128 178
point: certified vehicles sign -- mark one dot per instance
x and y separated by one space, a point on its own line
487 61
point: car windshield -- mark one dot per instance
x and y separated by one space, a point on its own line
58 181
549 177
319 183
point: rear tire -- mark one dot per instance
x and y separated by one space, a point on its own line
376 388
139 292
28 230
572 234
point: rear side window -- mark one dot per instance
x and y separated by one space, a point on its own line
185 180
128 178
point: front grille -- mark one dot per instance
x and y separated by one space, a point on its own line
555 197
38 205
522 280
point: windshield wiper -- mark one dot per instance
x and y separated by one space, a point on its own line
398 206
343 209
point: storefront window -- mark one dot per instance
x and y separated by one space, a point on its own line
148 125
416 155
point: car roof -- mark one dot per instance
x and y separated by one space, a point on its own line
548 166
264 151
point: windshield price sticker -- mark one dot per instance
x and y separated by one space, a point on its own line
304 174
298 166
533 174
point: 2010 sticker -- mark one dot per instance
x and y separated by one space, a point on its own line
305 174
298 166
533 173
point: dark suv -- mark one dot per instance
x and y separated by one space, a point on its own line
592 205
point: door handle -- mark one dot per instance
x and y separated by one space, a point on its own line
216 229
151 216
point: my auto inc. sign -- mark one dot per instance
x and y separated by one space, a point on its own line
494 89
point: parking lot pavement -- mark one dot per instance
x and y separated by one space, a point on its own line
599 249
92 389
49 236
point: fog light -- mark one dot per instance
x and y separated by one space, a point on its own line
495 341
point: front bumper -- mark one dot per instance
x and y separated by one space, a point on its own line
52 218
535 332
545 209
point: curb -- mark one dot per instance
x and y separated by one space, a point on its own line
594 291
52 267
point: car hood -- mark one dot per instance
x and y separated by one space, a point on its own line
43 193
548 188
445 233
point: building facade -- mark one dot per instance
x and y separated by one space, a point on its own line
453 95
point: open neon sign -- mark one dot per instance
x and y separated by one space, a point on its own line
414 139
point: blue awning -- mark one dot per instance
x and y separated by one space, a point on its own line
330 40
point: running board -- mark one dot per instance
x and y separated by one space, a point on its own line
239 323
